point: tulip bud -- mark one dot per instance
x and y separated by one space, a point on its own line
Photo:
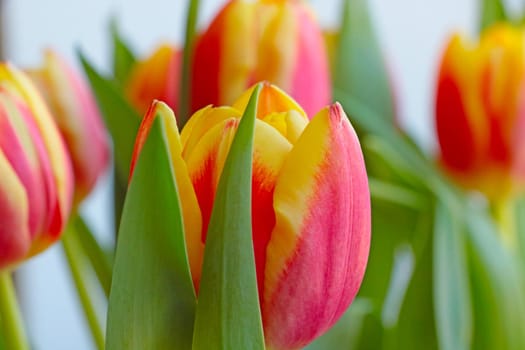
277 41
156 78
36 187
76 114
480 111
310 206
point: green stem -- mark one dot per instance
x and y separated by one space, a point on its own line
12 324
75 257
97 257
504 215
185 83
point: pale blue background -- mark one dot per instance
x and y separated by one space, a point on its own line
412 32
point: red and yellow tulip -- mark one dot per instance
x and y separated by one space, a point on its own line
480 111
76 114
310 206
274 40
37 183
156 78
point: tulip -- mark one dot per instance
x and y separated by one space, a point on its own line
155 78
76 114
310 206
480 111
37 184
274 40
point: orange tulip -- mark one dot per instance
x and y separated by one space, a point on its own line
480 111
310 206
37 184
274 40
156 78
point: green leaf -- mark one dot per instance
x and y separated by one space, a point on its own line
120 117
152 301
492 11
348 333
82 275
359 63
94 252
123 57
228 314
187 58
498 293
406 301
391 192
415 328
384 244
452 305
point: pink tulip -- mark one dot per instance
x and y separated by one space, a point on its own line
310 206
76 114
37 183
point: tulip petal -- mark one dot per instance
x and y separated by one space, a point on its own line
290 124
202 121
501 86
190 208
15 81
270 150
15 239
155 78
311 64
277 50
205 165
76 114
317 253
23 149
224 56
271 100
460 120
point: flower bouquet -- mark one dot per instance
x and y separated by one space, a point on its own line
266 194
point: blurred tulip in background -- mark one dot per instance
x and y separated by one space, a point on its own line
277 41
36 187
156 77
480 111
76 114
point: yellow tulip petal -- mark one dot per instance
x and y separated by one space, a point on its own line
190 208
290 124
271 100
202 121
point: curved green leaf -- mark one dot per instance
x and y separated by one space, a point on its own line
415 328
184 111
152 300
492 11
98 257
120 117
498 292
452 306
348 333
228 314
359 63
123 57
